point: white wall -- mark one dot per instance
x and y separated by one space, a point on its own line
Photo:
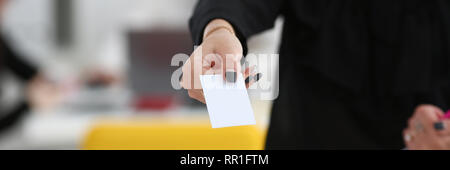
100 27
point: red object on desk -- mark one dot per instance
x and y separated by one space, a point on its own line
153 102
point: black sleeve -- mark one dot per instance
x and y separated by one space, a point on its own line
22 70
247 17
14 116
16 64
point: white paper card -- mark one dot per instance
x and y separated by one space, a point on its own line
228 103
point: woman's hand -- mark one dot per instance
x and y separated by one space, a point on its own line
42 93
426 130
220 53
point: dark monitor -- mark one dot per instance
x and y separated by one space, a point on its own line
150 55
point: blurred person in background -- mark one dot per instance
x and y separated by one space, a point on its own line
353 74
33 90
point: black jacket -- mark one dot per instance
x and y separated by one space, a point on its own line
351 71
23 70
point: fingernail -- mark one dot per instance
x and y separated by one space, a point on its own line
258 76
231 76
247 80
439 126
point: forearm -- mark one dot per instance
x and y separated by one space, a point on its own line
20 67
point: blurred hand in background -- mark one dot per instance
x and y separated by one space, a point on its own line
43 93
427 130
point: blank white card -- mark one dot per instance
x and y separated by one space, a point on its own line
228 103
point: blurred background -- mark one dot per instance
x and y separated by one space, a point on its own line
108 63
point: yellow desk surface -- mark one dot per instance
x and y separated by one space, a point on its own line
171 134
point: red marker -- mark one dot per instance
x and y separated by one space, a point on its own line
447 115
